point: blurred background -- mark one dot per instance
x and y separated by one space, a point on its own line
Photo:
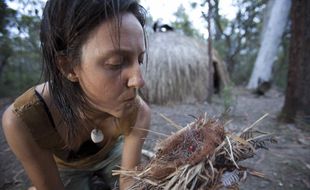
240 43
236 32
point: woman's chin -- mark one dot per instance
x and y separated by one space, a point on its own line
121 110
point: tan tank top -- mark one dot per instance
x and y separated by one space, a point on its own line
33 111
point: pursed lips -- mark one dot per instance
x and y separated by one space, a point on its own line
130 97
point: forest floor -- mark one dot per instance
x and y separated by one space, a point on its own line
286 164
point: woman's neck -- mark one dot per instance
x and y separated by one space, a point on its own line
91 115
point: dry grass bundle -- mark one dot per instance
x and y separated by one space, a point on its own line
201 156
177 69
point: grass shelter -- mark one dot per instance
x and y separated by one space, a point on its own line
178 70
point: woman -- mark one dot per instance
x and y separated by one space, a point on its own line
68 132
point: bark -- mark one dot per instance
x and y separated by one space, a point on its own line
3 62
216 16
5 53
210 65
270 42
266 17
297 97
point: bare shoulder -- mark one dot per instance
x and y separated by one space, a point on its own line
12 124
18 136
14 129
16 133
10 121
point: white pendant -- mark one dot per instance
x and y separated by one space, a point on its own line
96 136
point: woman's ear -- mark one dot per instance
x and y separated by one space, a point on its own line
72 77
66 69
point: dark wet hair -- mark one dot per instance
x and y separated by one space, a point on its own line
65 27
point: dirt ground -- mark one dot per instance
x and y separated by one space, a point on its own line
286 164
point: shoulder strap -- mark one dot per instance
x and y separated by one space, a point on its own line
31 110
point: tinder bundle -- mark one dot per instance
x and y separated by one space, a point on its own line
202 155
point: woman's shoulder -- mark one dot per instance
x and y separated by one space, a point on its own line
29 112
12 125
30 100
10 117
24 101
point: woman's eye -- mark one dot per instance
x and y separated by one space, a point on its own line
114 66
114 63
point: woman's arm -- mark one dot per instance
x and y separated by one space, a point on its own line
38 163
133 143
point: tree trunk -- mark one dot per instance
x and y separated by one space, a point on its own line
271 39
266 17
3 62
218 32
297 98
210 65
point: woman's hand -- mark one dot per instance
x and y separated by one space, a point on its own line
133 143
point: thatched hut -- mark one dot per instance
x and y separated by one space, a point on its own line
177 69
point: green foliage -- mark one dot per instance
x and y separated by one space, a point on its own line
280 69
244 32
183 23
238 40
6 14
243 69
228 97
17 79
20 49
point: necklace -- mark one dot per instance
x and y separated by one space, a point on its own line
96 135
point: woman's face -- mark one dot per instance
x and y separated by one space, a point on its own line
109 72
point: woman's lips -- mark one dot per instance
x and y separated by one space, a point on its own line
129 96
130 99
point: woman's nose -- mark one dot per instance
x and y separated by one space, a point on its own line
135 79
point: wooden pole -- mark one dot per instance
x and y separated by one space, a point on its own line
211 69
